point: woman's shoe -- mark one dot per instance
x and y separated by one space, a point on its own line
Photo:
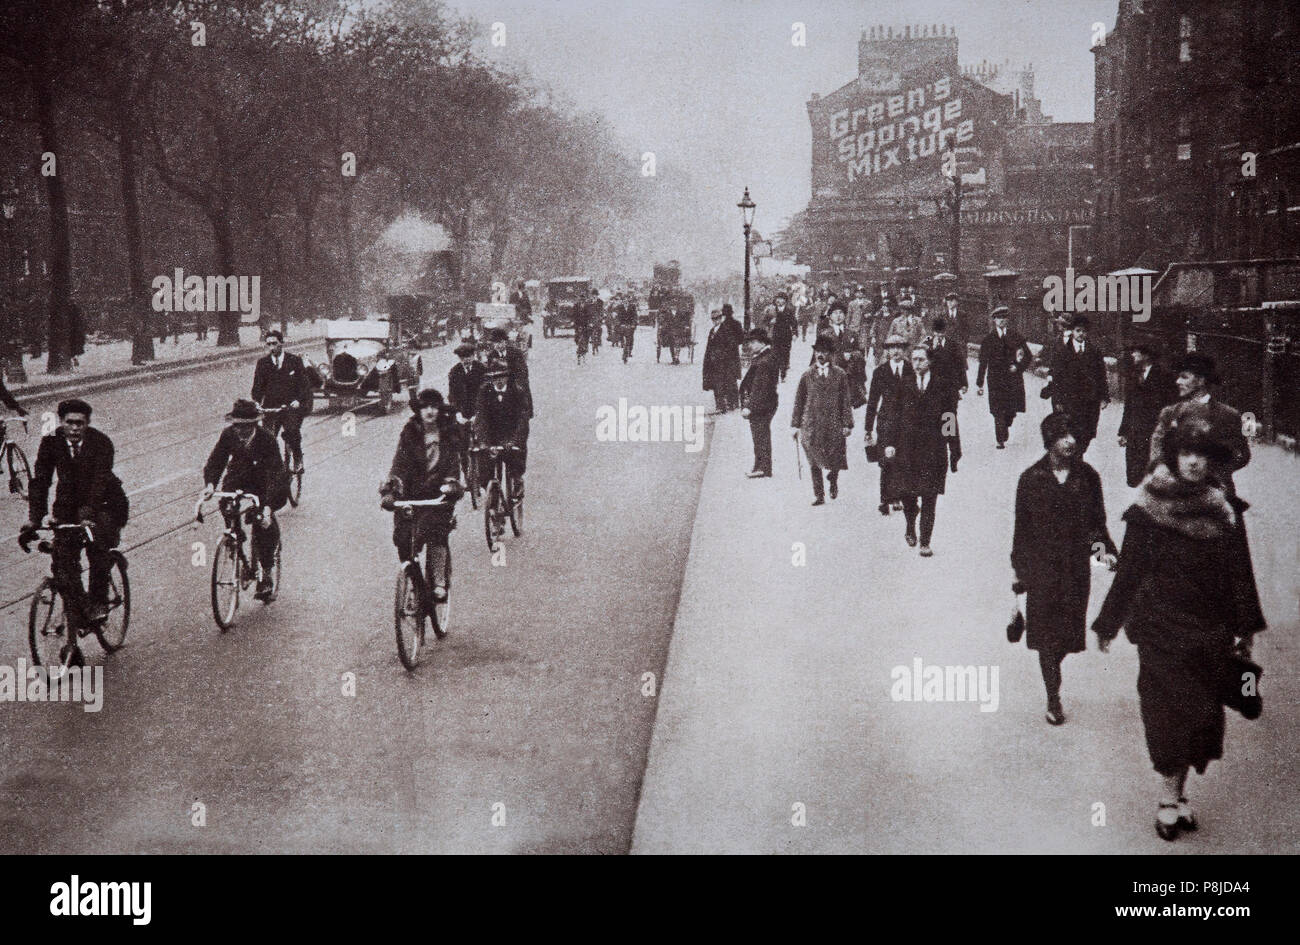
884 508
926 552
1055 715
910 539
1186 819
1167 821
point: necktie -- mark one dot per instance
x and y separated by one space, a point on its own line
76 451
1002 334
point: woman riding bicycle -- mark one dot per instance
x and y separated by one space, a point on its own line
248 455
426 460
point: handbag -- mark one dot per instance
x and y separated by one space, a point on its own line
1016 628
874 452
1242 673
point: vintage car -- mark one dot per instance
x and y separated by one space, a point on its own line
489 315
561 295
366 360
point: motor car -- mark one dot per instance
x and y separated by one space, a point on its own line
366 360
561 296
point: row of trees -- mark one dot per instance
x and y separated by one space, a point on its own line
296 131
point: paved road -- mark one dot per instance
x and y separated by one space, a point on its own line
778 688
534 702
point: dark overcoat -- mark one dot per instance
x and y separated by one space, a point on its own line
1144 398
1057 527
823 408
922 448
758 389
1003 362
722 355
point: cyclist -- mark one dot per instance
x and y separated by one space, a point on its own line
425 461
464 380
8 399
281 380
501 419
248 455
88 493
503 353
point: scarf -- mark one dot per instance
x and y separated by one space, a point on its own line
1198 510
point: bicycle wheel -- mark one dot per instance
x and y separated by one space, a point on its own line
440 612
20 474
408 614
295 477
47 625
493 512
470 465
111 631
226 581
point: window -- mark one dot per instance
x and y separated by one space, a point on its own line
1184 38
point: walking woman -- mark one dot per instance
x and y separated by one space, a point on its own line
1184 595
1060 524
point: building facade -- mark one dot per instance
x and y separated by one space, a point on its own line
888 147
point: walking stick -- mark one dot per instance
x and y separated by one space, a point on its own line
798 459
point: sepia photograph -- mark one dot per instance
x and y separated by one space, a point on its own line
665 427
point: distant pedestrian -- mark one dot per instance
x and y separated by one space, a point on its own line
722 359
823 417
1182 594
949 357
1080 384
1004 358
758 399
859 309
847 356
784 328
909 324
1149 390
1060 525
887 381
1054 354
200 325
922 448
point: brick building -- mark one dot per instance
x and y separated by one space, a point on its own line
878 185
1186 91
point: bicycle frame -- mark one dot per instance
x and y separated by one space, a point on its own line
233 512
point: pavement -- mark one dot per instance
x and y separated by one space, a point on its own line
777 730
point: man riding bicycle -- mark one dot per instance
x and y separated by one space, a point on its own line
501 419
425 462
251 461
88 493
281 380
464 380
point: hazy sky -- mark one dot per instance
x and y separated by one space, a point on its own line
716 87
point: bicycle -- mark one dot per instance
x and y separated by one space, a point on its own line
48 628
20 472
413 597
232 571
467 462
294 466
499 501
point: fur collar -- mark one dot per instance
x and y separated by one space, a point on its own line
1198 511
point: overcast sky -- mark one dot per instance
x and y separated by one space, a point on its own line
716 87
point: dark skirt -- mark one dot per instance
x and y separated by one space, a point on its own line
1181 711
1057 623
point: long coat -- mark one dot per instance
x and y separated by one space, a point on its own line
758 389
849 359
823 407
998 358
722 355
1079 386
463 385
1144 398
784 328
948 361
255 468
1057 526
1182 593
921 449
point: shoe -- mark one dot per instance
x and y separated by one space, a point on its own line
1055 714
926 552
835 490
1186 819
439 594
96 613
1002 446
758 474
819 501
910 539
263 591
884 508
1167 820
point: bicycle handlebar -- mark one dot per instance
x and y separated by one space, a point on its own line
239 495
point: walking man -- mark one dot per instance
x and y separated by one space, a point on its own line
722 359
784 328
758 399
1080 387
887 381
1004 356
823 417
1150 390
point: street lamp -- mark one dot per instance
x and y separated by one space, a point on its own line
747 216
951 201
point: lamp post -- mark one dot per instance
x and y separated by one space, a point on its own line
11 351
951 200
747 216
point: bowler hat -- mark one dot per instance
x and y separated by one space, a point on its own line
1001 312
727 310
244 411
1146 347
1199 364
895 341
825 343
498 334
497 369
759 335
1053 427
73 405
1080 321
467 347
940 324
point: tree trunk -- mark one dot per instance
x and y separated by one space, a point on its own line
352 287
137 292
223 240
60 300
